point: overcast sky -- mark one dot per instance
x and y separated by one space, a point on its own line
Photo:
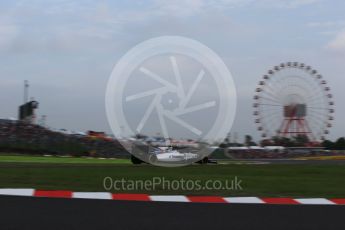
67 49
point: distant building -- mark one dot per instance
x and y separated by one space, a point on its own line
27 112
305 150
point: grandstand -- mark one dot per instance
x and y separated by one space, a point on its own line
26 138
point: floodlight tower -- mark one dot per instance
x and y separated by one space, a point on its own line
26 91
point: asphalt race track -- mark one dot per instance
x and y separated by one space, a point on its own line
59 213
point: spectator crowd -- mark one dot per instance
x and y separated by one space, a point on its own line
21 137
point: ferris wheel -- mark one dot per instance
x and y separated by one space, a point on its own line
293 99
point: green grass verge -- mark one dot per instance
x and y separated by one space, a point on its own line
275 180
59 160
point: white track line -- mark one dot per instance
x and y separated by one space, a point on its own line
170 198
244 200
17 191
93 195
314 201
